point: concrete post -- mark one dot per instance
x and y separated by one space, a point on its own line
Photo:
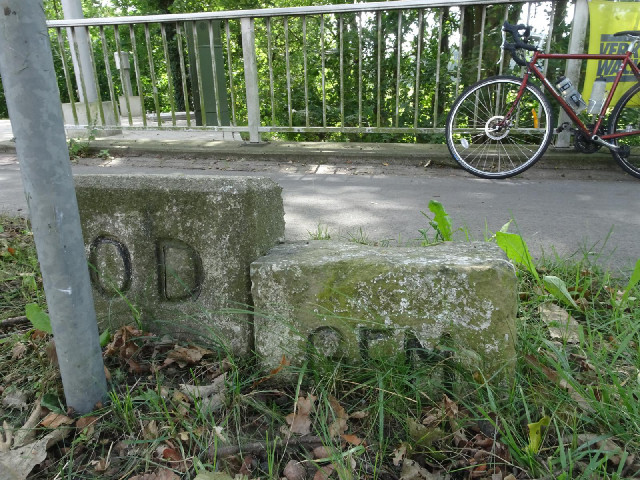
82 66
572 69
33 100
122 63
251 78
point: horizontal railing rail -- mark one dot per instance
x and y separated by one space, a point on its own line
386 68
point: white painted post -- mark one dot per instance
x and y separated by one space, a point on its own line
33 100
572 69
82 66
251 78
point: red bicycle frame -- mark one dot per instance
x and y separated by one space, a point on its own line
626 61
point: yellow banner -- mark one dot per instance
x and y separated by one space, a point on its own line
605 19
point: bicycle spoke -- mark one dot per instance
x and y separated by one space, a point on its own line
484 141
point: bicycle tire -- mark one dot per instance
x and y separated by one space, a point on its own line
473 132
626 114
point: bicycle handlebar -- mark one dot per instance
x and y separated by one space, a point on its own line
519 41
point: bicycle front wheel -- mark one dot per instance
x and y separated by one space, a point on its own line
491 135
624 118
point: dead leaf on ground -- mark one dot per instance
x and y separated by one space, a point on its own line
249 464
560 324
324 472
150 430
184 356
18 350
212 397
55 420
294 470
213 476
299 421
17 463
339 425
411 470
159 474
359 414
399 454
352 439
15 399
100 465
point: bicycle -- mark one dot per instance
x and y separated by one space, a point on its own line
502 125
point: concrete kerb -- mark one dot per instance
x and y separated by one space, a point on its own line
199 144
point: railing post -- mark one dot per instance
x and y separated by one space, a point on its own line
572 70
251 78
82 62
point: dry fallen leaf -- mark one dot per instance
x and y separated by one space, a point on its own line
15 399
352 439
150 430
299 421
100 465
359 414
324 472
184 356
295 471
55 420
339 425
18 350
159 474
560 324
212 397
399 454
411 470
17 463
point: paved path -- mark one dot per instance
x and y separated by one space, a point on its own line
571 213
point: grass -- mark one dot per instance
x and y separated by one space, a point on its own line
572 410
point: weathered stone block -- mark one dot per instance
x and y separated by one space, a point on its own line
176 250
352 302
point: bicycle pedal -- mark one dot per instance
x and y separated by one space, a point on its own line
563 127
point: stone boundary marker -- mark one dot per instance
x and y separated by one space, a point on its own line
178 248
320 299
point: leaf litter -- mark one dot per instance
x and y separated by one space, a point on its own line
164 386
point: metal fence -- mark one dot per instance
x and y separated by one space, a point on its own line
387 68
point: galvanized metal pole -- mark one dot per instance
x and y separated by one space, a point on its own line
251 78
33 100
572 70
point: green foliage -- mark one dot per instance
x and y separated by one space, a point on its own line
321 233
517 251
633 281
38 317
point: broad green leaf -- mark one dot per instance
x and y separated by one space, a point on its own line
38 317
635 278
535 434
516 249
105 338
558 289
442 220
52 403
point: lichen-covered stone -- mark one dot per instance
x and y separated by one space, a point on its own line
174 251
352 302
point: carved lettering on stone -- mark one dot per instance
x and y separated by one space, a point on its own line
110 266
326 342
180 271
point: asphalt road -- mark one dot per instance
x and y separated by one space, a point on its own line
592 214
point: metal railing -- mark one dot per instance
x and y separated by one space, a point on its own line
384 68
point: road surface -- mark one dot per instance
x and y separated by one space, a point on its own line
588 214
